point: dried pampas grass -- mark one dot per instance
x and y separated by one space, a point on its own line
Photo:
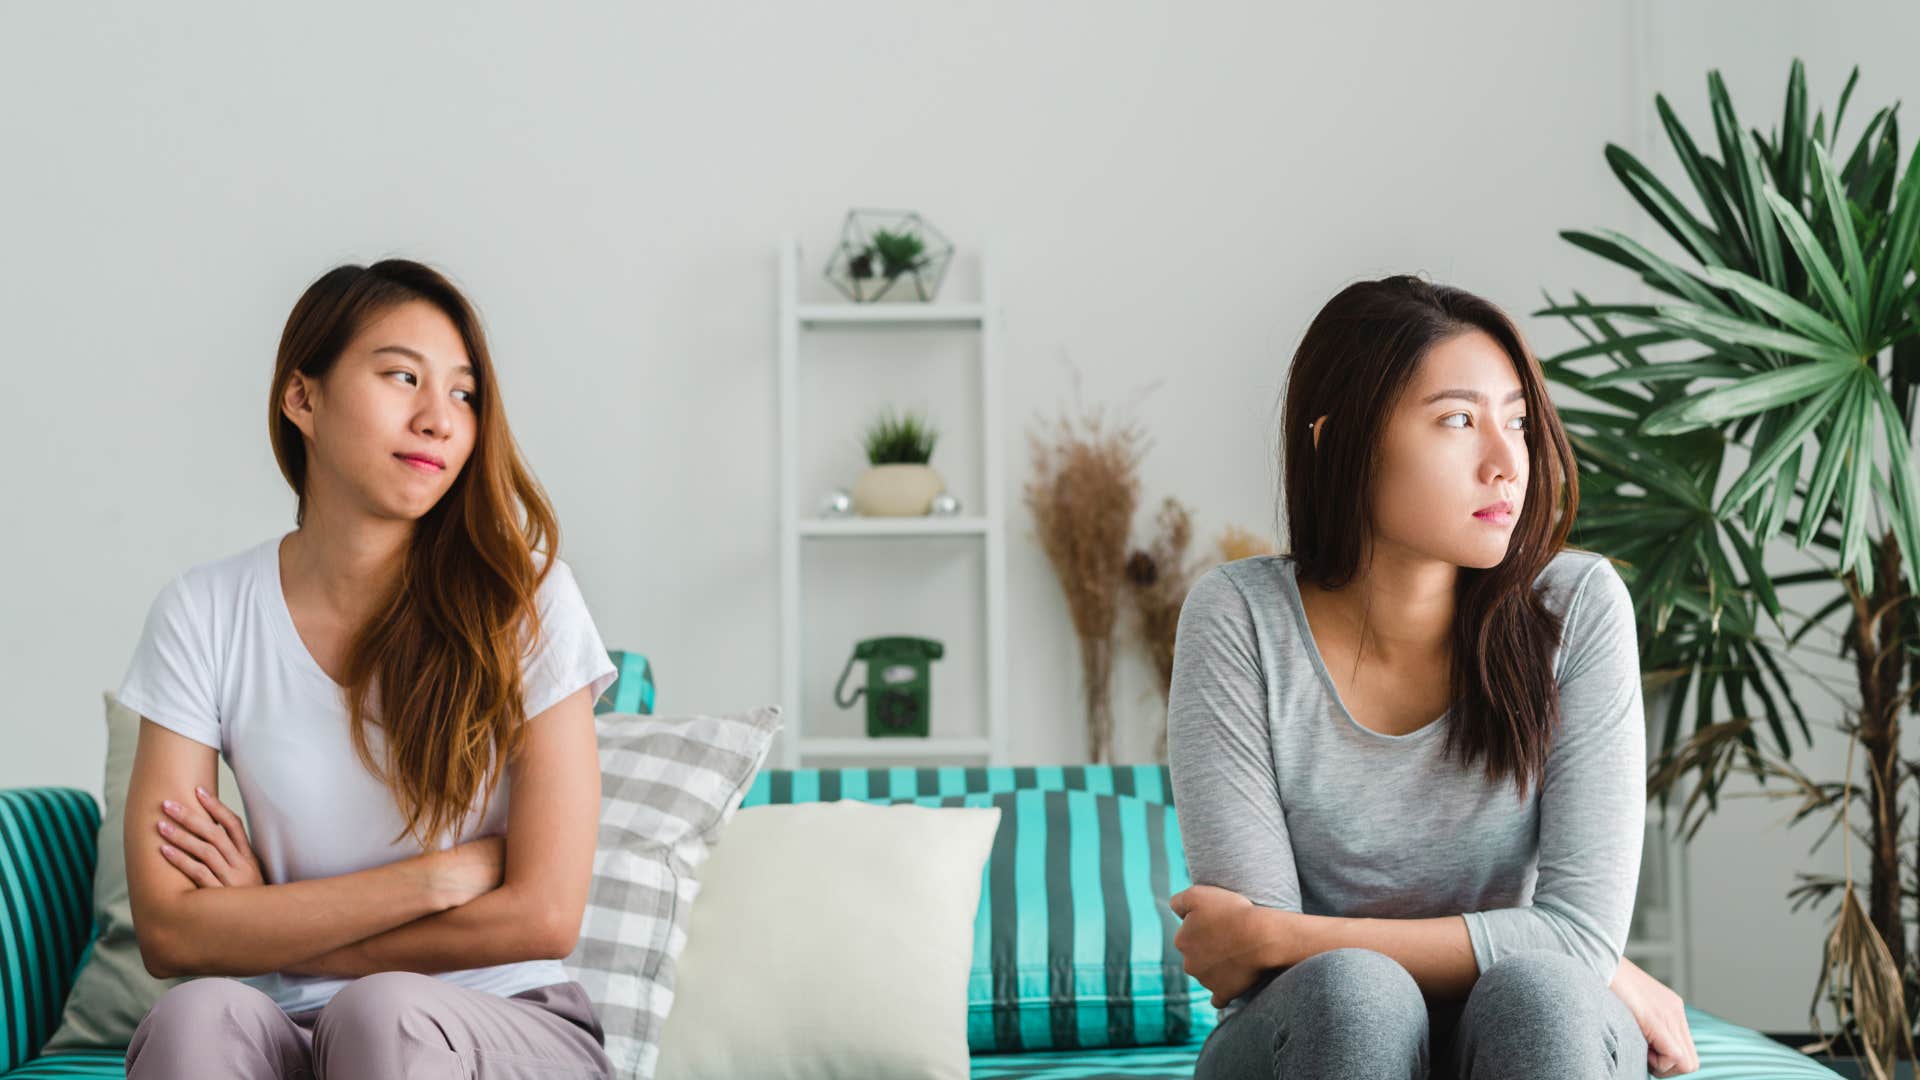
1236 543
1158 577
1084 489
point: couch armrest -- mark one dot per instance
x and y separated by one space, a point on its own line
632 689
49 839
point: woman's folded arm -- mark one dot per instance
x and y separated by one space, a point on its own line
183 929
1593 798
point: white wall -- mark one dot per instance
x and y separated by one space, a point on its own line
1172 191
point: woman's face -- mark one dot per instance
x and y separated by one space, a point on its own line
1455 444
392 423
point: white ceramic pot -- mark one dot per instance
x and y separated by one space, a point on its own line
897 490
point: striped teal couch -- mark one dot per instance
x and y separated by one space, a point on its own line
47 849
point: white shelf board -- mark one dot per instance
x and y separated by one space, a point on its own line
901 526
890 314
893 746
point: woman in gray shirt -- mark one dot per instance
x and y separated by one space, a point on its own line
1409 756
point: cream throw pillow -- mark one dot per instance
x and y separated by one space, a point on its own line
113 990
831 941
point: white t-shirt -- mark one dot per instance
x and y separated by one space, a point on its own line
220 662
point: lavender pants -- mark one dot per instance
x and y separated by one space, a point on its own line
397 1024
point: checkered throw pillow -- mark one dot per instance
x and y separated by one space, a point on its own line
668 785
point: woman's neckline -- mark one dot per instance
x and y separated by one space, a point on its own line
280 613
1290 584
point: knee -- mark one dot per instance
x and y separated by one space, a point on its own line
1365 989
1532 991
1347 1012
194 1014
372 1005
1343 1004
1550 1012
199 1002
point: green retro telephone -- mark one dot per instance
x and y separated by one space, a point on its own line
899 683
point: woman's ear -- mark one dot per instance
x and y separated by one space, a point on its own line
296 403
1316 431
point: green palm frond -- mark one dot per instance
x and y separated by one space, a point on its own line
1767 387
1782 322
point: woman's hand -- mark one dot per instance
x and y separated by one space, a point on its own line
207 843
1222 940
1662 1018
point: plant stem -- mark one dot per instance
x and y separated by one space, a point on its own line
1096 672
1880 734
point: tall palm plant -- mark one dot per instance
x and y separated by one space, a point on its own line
1766 389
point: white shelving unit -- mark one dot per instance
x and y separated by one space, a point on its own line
988 525
1660 939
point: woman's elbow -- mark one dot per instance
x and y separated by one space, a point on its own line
165 950
157 953
1599 953
1606 962
560 946
560 933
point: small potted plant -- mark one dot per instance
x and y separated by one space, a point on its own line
887 257
899 252
878 249
899 482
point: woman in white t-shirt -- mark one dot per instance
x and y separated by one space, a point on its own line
381 680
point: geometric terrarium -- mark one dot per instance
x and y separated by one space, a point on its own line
881 247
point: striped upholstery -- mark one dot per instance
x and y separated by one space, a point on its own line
1145 782
98 1064
1073 942
48 843
1731 1052
47 852
632 689
1132 1063
1727 1052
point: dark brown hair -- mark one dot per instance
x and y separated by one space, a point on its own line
1358 357
442 652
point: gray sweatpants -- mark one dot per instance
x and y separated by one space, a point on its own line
1355 1014
392 1024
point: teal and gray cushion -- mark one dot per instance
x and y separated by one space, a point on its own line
632 689
1073 940
48 844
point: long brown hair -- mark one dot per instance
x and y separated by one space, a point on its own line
1357 358
442 653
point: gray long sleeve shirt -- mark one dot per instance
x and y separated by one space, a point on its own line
1288 801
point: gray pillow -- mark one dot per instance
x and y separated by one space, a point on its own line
667 786
113 991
